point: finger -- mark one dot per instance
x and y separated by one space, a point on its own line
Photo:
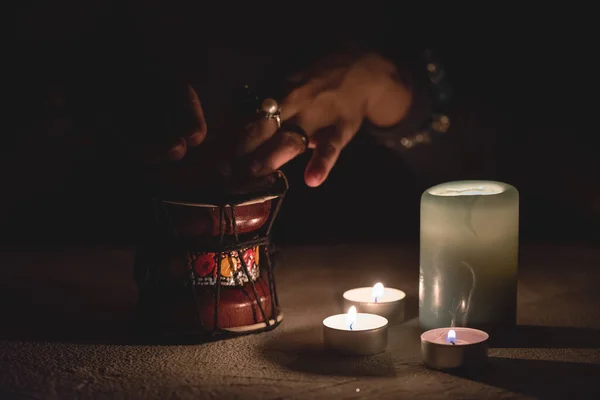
299 99
284 146
199 134
173 111
192 130
258 132
323 111
178 150
261 131
158 152
327 152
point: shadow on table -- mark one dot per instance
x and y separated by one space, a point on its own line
302 350
528 336
539 378
63 313
72 314
411 308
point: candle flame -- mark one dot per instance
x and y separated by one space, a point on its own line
451 338
377 292
351 317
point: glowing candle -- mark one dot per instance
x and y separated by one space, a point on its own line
447 348
380 300
469 255
354 333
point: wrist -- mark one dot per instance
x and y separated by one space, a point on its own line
425 116
390 103
389 98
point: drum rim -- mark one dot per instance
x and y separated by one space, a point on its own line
276 190
259 200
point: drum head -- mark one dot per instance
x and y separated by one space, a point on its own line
218 191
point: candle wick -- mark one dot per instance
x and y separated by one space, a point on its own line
376 299
452 341
351 326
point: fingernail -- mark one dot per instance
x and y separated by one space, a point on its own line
314 179
196 138
176 152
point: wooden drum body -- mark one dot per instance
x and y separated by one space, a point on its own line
205 266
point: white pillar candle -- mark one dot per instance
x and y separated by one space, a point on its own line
356 334
380 300
469 255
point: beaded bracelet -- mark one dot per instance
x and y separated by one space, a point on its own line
436 125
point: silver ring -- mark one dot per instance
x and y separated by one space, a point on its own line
270 110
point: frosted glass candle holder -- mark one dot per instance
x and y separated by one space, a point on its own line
469 255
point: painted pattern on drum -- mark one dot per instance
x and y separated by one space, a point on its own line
204 272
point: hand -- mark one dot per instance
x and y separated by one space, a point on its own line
172 121
330 105
197 132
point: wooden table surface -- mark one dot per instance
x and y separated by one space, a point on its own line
63 315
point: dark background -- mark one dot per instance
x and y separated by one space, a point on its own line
525 108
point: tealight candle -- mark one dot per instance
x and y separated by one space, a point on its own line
448 348
357 334
380 300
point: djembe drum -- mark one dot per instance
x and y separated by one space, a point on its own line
205 265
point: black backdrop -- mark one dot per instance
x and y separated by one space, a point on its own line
530 74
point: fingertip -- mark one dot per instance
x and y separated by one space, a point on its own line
196 138
321 164
313 178
176 154
311 182
178 150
